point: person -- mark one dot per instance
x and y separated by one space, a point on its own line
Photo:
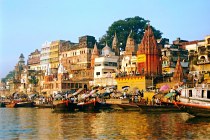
153 98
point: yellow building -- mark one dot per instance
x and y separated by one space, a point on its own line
139 82
54 53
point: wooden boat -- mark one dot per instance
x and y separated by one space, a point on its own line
122 104
11 104
199 110
90 106
64 106
43 105
2 104
25 104
129 107
164 107
196 100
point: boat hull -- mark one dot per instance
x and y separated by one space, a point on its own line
194 109
158 108
44 105
25 104
91 106
11 105
2 104
64 106
129 107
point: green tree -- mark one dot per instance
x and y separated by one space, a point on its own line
123 28
33 80
10 75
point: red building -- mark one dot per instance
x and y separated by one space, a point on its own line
149 55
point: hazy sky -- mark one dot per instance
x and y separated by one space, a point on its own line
26 24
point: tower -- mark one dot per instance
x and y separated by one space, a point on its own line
148 55
178 72
19 67
130 48
115 46
94 55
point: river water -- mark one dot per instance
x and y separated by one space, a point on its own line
43 124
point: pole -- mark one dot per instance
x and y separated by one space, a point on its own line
152 80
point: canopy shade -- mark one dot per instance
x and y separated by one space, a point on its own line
170 94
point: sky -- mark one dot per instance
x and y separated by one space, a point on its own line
26 24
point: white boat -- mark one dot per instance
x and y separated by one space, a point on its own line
196 100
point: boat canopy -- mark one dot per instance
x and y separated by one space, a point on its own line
76 93
170 94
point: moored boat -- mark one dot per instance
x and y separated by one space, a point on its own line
11 104
158 108
64 106
129 107
89 106
199 110
2 104
196 100
43 105
25 104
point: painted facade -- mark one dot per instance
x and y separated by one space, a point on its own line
148 55
34 60
45 56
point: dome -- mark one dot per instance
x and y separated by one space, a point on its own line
106 50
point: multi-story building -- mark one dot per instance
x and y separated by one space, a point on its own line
77 59
128 62
170 54
204 55
106 66
70 65
45 56
34 60
54 53
149 55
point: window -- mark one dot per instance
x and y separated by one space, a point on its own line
190 93
97 73
97 64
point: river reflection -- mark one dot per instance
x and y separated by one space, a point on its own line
31 123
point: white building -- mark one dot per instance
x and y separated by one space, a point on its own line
105 68
45 55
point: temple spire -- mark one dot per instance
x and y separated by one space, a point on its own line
178 72
148 49
94 55
130 47
115 46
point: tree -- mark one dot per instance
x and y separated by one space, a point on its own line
124 27
10 75
33 80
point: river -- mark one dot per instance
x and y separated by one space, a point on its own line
43 124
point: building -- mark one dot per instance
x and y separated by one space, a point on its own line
45 56
105 67
128 63
15 83
54 53
170 54
34 60
149 55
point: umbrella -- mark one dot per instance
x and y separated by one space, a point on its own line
105 94
57 96
125 87
75 93
164 88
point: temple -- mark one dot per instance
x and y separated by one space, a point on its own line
148 55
